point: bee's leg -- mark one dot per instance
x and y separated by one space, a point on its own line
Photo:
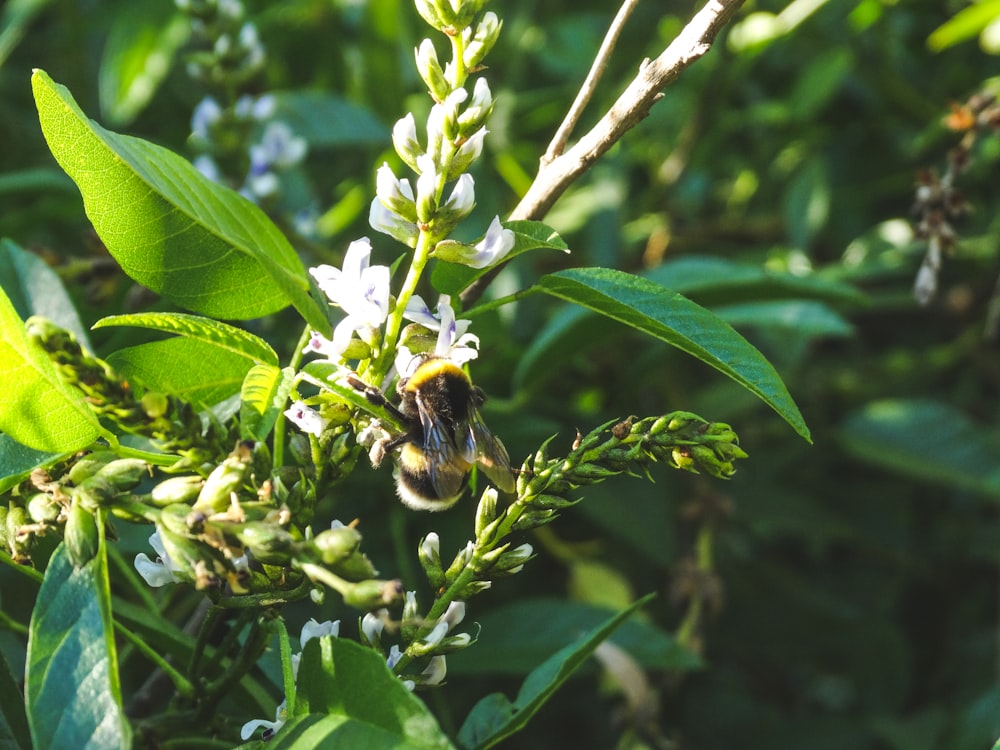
376 397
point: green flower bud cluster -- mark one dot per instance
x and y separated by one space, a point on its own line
682 440
173 424
41 505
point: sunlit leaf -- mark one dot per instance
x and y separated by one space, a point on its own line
666 315
196 371
265 390
36 407
229 338
349 698
173 230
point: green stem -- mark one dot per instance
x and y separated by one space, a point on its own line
499 302
278 447
31 573
463 579
183 685
421 255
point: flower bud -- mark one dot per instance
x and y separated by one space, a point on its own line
467 153
373 594
474 587
336 545
481 42
268 543
386 221
430 70
88 465
430 559
94 492
395 194
176 490
427 186
81 535
225 479
459 204
461 560
486 511
42 508
124 473
477 112
404 140
155 405
411 619
371 627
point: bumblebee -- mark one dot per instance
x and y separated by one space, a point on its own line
445 437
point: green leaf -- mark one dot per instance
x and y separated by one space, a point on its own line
965 24
495 718
138 53
35 289
36 407
666 315
173 230
72 689
710 281
224 336
452 278
516 638
14 731
803 318
262 398
196 371
328 120
928 440
17 461
349 698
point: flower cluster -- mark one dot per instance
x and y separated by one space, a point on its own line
369 341
239 136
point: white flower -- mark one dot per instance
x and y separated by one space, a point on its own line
373 623
453 615
387 221
271 726
305 418
314 629
435 671
161 571
395 194
493 247
360 290
463 197
404 139
310 630
453 341
394 656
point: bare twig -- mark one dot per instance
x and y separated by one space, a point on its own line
632 106
590 84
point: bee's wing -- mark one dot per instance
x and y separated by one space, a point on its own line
447 465
490 453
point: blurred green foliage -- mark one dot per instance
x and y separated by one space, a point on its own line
859 574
